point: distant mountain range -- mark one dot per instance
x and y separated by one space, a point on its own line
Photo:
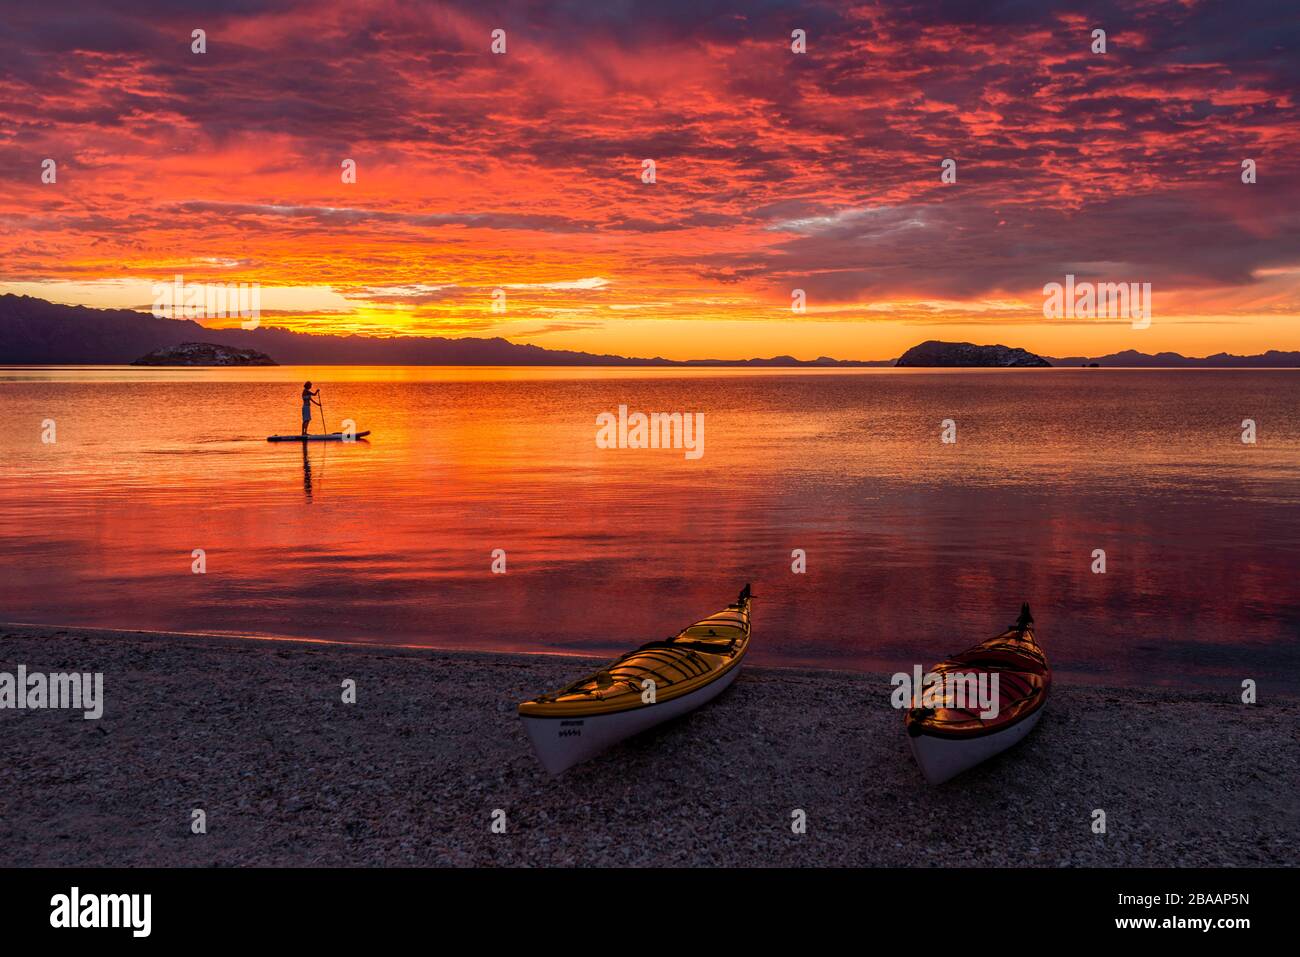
936 354
1273 359
36 332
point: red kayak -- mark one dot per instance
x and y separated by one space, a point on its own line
947 740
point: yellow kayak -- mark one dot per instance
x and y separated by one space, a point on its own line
643 688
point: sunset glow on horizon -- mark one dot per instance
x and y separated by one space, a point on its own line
522 171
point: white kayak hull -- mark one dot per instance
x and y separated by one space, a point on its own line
942 759
315 437
561 743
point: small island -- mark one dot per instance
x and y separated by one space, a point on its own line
204 354
938 354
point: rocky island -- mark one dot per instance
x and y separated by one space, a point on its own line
204 354
956 354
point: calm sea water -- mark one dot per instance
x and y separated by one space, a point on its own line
914 548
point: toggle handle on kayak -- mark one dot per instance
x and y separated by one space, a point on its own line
1025 619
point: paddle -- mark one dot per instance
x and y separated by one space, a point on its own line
325 451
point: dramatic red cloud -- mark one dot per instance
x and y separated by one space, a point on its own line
775 170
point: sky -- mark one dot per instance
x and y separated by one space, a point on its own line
775 170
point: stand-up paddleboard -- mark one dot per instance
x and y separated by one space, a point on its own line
329 437
946 739
583 719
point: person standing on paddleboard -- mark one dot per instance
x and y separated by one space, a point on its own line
307 400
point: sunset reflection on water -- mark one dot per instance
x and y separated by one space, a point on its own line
915 549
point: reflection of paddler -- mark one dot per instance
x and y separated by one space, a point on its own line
308 397
306 472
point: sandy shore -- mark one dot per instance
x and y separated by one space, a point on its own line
254 733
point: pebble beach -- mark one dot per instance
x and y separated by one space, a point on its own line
255 734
